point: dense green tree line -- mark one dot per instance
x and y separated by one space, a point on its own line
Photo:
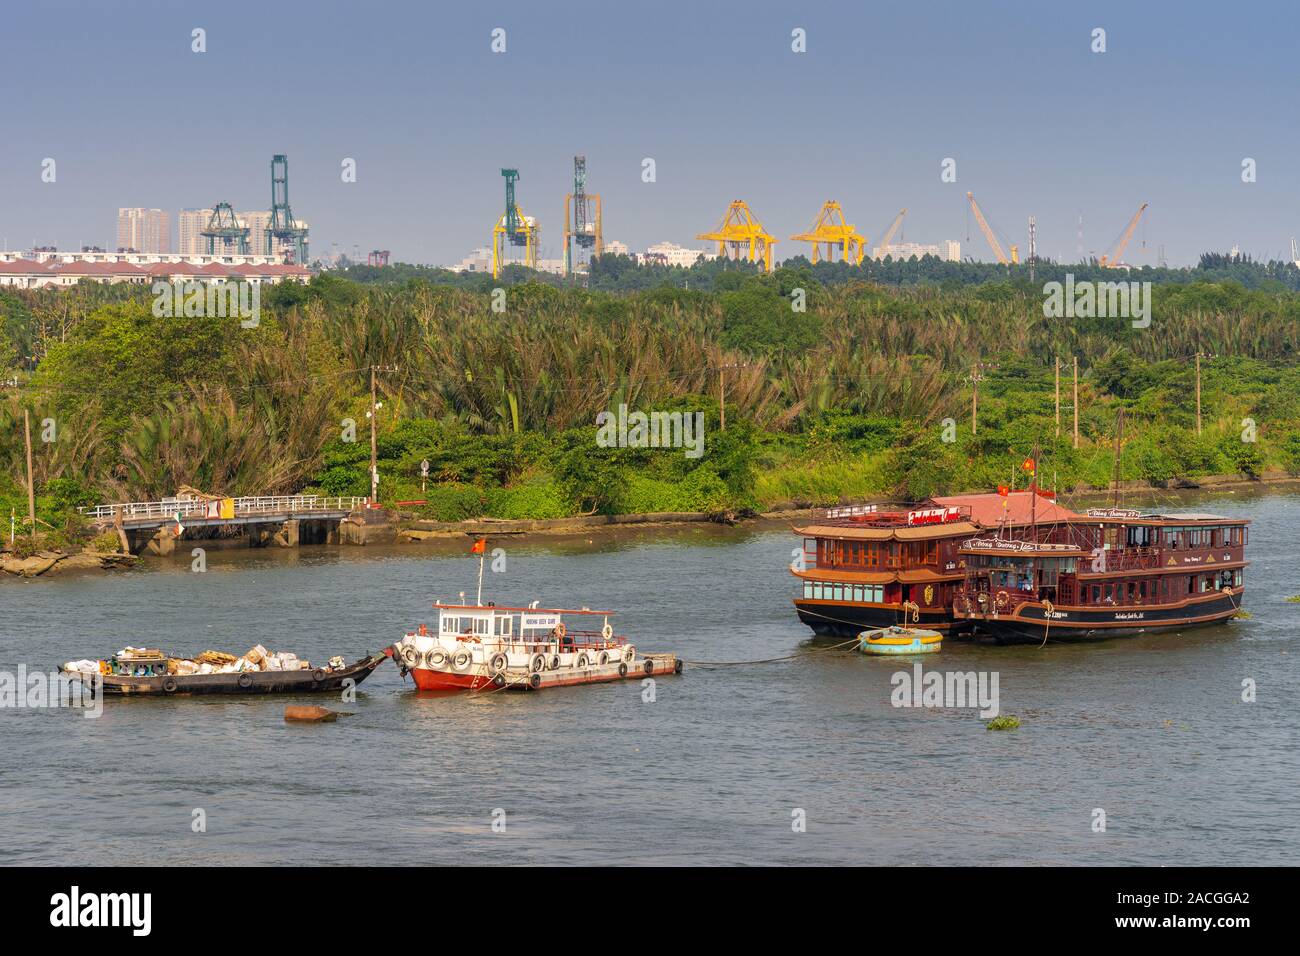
864 391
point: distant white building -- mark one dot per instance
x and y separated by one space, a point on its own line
616 248
949 250
479 260
669 253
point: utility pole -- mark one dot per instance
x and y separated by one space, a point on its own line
975 378
373 415
722 399
1076 401
1198 394
1057 363
31 488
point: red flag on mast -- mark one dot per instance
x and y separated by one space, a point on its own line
480 546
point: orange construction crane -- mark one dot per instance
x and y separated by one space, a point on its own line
889 233
988 234
1113 260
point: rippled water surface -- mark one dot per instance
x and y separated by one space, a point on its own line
1150 729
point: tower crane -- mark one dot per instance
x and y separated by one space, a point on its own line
1113 260
988 234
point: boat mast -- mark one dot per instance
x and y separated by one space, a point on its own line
478 600
1033 500
1119 450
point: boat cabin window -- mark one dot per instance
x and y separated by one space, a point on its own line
537 627
502 625
1139 536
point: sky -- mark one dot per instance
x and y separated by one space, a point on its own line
1038 124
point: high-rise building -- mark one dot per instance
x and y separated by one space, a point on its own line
144 230
257 222
190 223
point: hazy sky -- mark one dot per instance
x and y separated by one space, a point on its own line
1038 123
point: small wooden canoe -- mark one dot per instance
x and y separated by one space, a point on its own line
314 681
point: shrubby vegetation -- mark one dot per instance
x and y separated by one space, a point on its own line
853 397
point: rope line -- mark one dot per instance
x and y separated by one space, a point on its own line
770 660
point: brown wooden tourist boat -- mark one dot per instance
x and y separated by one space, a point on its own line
1115 572
866 567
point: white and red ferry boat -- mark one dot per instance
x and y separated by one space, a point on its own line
528 648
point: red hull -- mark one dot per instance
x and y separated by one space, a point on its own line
449 680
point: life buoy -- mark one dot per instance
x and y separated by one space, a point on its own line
537 663
583 660
607 631
555 662
245 681
649 667
462 660
604 658
559 631
629 653
410 656
170 685
436 657
498 662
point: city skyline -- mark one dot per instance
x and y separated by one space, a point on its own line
430 115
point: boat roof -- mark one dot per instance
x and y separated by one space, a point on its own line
1121 516
511 610
923 532
1014 508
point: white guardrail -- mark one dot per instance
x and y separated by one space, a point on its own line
204 508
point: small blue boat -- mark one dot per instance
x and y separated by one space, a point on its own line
900 640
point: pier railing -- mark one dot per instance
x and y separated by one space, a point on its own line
202 507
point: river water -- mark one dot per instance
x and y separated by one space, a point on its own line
720 767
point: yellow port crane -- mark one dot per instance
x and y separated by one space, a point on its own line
740 229
889 233
988 234
832 229
1113 260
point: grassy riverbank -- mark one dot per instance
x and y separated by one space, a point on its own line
866 394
